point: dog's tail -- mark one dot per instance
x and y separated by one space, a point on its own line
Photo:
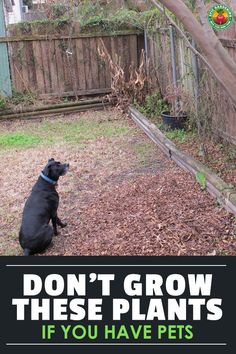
26 252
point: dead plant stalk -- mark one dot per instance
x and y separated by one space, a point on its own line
126 90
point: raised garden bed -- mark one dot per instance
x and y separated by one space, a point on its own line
225 193
220 157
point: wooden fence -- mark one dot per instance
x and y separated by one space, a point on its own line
223 112
64 64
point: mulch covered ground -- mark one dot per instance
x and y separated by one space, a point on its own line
122 196
220 158
150 213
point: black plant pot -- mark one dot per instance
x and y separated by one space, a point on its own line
173 122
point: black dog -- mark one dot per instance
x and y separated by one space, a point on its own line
41 207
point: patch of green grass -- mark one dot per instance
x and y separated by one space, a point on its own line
81 130
51 132
201 179
177 135
18 140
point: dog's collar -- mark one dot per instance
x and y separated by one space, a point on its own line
47 179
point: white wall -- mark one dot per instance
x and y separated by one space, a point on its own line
39 1
16 15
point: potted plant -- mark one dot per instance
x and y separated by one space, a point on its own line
175 118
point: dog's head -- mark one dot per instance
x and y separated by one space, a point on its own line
55 169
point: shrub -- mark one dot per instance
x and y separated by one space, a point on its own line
153 106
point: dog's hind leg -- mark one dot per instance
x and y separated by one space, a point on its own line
60 223
56 221
54 225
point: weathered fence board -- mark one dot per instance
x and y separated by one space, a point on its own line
223 112
50 65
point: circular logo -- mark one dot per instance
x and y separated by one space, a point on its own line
220 17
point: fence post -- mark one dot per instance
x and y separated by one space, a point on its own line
173 57
174 65
196 75
196 86
5 80
146 48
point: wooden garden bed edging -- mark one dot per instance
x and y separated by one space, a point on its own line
57 109
53 106
224 192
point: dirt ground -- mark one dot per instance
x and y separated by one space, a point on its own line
122 196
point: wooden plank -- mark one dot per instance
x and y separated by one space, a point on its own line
74 73
31 67
60 71
28 109
125 55
80 64
133 45
25 65
39 67
46 66
100 91
104 70
40 37
66 58
140 41
17 62
74 109
53 67
120 50
87 63
94 63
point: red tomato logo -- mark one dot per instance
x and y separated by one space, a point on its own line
220 19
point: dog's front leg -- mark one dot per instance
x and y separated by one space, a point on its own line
54 225
60 223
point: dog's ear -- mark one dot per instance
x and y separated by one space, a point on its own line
47 167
